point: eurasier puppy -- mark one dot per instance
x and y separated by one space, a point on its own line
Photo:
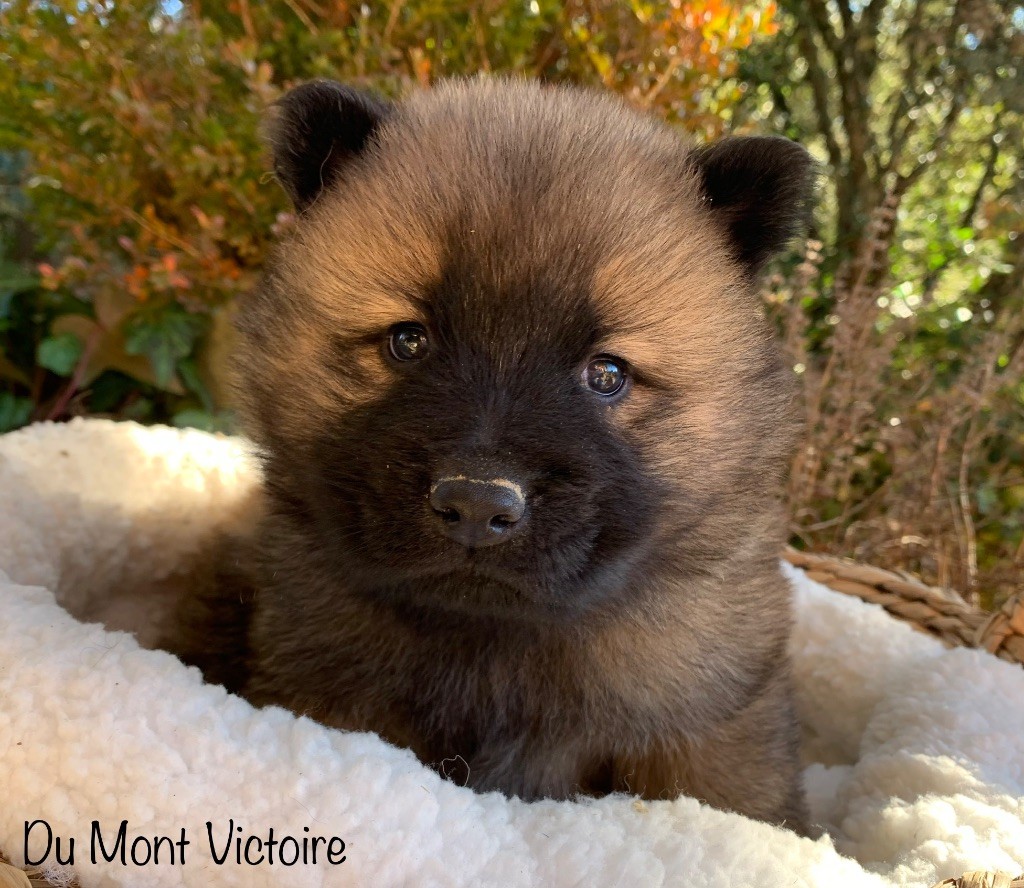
524 429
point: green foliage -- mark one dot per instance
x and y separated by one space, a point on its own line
911 328
60 353
14 411
166 336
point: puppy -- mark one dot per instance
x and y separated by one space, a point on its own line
524 429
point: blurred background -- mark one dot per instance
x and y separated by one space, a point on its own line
135 207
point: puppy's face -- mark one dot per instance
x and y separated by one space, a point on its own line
510 350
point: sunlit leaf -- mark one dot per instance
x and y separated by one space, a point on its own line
59 353
165 338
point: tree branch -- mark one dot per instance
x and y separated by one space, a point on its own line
818 82
815 15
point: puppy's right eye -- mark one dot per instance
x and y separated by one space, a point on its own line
408 342
605 375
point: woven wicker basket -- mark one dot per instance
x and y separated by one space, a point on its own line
938 612
983 880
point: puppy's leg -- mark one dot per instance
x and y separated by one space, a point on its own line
749 764
529 769
210 625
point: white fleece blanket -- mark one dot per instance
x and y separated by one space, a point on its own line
915 753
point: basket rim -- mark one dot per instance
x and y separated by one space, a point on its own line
939 612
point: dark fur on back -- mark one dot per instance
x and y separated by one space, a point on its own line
633 635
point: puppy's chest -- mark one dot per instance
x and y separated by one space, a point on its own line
461 691
459 682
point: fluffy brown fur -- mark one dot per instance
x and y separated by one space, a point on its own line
631 634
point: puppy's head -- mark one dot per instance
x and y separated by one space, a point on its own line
510 356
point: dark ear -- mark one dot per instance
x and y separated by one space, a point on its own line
317 128
760 188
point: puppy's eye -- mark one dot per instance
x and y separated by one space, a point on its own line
408 342
605 375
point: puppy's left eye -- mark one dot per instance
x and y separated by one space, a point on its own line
605 375
408 342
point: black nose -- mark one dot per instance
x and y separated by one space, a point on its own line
477 512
